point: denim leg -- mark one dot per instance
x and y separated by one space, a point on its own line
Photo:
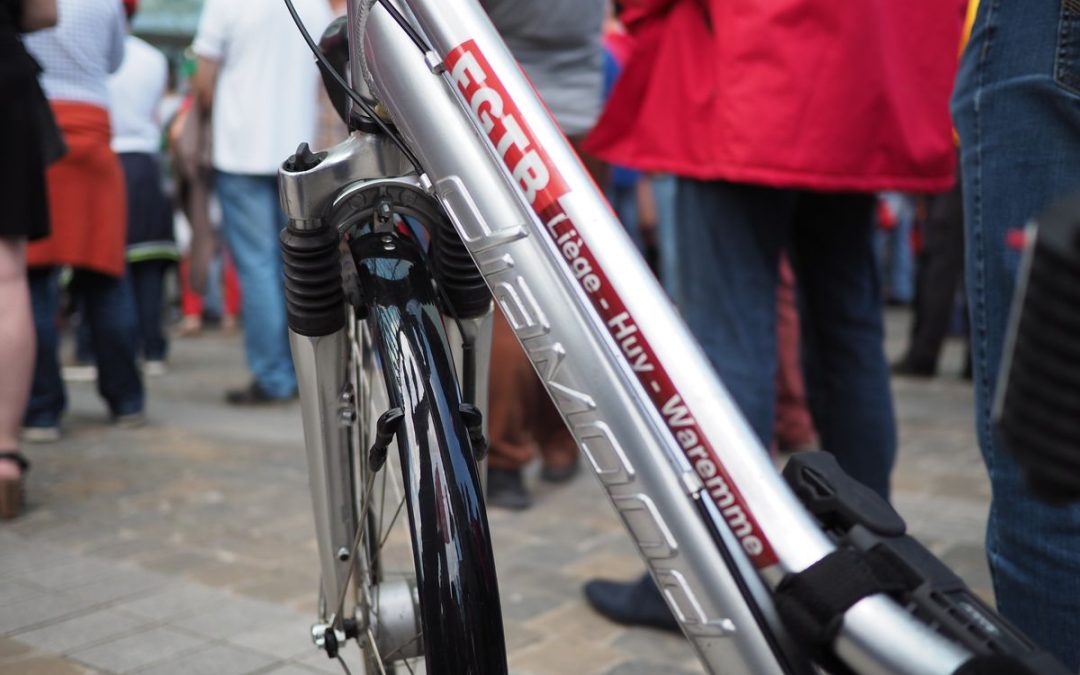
663 187
110 311
892 249
147 281
902 278
84 341
847 378
623 200
903 259
47 396
1017 109
253 218
729 244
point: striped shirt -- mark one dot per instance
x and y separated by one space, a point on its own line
78 55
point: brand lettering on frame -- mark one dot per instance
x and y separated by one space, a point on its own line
544 188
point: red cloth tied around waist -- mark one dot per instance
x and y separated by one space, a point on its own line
86 196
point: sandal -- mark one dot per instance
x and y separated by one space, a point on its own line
12 493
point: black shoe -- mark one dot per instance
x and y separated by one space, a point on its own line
253 395
506 490
631 603
909 369
559 474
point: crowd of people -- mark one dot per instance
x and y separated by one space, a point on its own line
777 162
92 233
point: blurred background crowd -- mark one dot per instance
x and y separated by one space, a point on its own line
788 169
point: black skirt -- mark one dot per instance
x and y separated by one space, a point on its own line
149 211
22 170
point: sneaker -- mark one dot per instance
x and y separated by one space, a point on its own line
41 434
130 421
506 490
155 368
254 395
631 603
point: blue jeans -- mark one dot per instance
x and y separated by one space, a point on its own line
1017 109
623 199
110 314
729 242
894 251
147 286
663 186
252 219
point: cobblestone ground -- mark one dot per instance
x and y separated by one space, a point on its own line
186 546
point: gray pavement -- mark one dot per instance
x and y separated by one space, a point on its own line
186 546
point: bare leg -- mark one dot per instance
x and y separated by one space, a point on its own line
17 355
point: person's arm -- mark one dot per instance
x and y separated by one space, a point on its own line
204 82
38 14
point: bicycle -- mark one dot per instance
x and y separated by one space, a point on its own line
448 134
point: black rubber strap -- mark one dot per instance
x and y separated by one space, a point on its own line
16 457
812 603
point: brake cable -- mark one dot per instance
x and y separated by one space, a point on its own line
352 93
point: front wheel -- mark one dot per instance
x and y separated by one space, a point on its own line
452 581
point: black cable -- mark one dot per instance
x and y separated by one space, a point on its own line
353 94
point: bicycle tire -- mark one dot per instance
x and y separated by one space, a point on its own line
460 614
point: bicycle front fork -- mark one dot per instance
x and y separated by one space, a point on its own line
311 184
319 341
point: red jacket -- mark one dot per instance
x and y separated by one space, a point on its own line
839 95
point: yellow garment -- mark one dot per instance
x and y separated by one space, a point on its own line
973 9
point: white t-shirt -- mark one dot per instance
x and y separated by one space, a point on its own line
265 99
135 94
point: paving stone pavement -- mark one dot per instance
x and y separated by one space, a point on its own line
186 546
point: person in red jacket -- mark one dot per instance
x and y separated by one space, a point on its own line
781 120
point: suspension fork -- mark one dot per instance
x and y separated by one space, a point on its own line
318 340
309 186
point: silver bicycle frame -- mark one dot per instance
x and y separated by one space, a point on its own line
716 525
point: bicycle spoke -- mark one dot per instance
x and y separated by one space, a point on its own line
399 648
375 648
393 520
360 531
382 506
